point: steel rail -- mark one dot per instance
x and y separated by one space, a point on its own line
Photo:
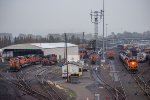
139 83
27 87
42 81
116 90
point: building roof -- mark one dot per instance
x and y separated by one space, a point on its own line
52 45
39 46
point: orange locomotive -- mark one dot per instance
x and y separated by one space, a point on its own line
14 64
21 61
93 57
110 53
130 63
35 59
18 62
49 59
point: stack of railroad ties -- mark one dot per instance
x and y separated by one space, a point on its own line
16 63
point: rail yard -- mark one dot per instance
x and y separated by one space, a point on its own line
124 75
74 50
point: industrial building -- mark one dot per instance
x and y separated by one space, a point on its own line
40 49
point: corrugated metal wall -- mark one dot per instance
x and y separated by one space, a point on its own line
60 51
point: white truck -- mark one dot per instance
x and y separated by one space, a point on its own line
73 58
73 68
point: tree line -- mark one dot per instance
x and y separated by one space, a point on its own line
8 39
125 34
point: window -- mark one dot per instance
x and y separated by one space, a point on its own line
80 70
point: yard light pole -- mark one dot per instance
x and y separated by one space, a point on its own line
96 17
106 36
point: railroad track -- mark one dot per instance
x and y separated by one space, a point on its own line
22 84
49 88
117 92
142 84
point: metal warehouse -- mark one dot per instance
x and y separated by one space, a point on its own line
40 49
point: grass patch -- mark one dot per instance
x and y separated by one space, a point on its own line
71 95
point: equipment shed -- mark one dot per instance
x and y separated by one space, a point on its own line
40 49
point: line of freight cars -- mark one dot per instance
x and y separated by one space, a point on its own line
142 53
16 63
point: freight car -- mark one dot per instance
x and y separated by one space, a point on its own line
120 47
129 62
141 57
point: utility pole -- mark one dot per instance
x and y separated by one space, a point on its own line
83 38
82 43
96 16
103 31
66 56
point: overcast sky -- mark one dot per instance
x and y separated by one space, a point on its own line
46 16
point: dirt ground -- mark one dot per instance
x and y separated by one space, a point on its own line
81 89
7 92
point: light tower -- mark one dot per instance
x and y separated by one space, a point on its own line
96 17
106 37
